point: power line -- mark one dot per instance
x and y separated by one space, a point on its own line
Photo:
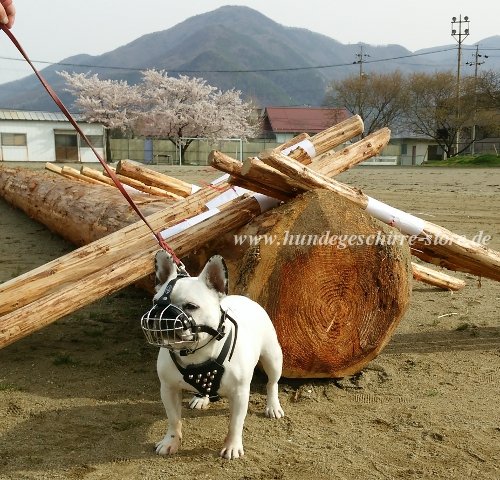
259 70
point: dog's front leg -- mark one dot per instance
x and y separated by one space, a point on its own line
172 401
238 405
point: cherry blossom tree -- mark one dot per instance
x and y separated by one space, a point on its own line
114 103
189 108
179 109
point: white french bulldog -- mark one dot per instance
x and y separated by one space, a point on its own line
213 349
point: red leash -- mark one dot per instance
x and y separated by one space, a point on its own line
163 244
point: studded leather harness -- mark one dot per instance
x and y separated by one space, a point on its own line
206 377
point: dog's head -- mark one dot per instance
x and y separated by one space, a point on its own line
186 310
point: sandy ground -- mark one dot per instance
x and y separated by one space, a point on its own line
80 398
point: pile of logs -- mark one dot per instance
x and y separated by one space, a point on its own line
334 306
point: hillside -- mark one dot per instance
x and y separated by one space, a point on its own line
222 46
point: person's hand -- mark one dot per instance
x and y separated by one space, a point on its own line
7 13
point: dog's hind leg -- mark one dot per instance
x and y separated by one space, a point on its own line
272 361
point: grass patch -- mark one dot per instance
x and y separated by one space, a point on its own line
489 160
5 386
93 332
432 393
64 359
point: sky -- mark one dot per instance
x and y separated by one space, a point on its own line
51 30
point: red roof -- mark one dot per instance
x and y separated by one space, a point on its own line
304 119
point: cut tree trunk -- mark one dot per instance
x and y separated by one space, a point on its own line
99 255
35 315
79 212
334 306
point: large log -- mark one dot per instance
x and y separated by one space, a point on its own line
68 298
100 253
334 306
122 272
127 269
79 212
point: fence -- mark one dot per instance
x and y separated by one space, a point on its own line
382 160
487 146
164 151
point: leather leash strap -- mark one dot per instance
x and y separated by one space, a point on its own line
163 244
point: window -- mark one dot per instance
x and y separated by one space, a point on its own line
97 141
14 139
404 149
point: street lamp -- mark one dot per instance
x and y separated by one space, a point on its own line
459 35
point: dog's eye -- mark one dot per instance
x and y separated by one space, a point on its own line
190 306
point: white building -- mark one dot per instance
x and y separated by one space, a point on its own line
46 137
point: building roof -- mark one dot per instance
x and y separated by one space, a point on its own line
36 116
304 119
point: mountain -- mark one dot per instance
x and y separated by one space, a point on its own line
234 47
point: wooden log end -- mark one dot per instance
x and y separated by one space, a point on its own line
334 306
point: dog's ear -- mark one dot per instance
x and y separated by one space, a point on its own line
165 268
214 274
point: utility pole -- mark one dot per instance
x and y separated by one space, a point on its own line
459 36
476 64
360 60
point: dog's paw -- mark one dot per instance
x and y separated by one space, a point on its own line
232 450
274 411
168 445
199 403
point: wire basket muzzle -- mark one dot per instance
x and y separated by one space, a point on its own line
169 326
